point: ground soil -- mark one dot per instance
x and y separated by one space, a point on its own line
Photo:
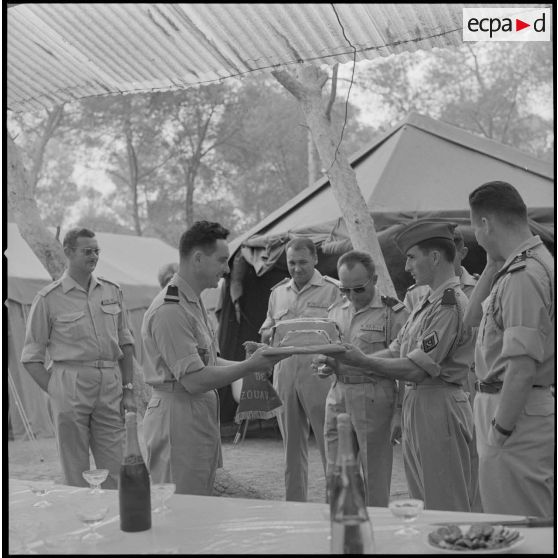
253 468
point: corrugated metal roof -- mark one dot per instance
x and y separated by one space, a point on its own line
61 52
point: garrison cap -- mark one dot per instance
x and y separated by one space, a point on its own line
423 229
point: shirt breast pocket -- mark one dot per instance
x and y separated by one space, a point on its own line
315 310
72 326
111 313
371 337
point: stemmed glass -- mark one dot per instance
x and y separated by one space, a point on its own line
91 516
41 488
95 477
408 510
162 492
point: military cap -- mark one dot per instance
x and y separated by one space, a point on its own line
423 229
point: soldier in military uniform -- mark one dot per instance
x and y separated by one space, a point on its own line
81 321
371 322
467 281
514 356
181 422
307 293
430 353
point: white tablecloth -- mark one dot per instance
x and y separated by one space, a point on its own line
218 525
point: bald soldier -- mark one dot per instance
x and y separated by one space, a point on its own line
431 354
80 321
181 422
514 306
307 294
371 321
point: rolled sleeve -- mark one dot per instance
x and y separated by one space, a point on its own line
424 362
36 332
521 341
187 365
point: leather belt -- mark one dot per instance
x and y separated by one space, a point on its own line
169 386
94 363
413 385
356 379
496 387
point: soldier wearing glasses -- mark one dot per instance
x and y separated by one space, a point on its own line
80 320
371 322
431 353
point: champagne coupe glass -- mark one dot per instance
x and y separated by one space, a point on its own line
162 492
95 477
408 510
91 516
41 489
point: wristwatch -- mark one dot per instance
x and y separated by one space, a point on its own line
129 385
501 429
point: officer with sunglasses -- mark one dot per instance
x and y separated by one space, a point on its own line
81 323
431 353
371 322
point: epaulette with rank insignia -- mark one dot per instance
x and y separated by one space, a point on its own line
172 294
331 280
449 297
45 290
393 303
518 263
109 281
282 282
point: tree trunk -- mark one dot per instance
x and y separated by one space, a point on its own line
26 213
306 87
132 165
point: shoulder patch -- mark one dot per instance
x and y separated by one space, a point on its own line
430 342
171 294
282 282
331 280
108 281
448 298
45 290
518 263
393 303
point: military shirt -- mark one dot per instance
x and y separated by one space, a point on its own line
75 324
371 328
519 315
415 293
435 338
286 302
177 335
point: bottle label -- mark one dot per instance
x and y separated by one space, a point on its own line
133 460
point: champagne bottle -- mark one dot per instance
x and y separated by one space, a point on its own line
351 530
134 491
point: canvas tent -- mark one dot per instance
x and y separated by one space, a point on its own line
131 261
422 167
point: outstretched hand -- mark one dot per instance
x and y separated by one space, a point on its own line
352 355
324 366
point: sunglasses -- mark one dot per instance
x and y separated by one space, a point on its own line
90 251
356 290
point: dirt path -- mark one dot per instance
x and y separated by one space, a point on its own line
252 469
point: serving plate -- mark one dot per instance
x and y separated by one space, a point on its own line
503 549
325 349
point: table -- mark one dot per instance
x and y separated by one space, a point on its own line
219 525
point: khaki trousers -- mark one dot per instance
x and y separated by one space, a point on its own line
85 403
183 439
437 438
370 406
518 477
303 395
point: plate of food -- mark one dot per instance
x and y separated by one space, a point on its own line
479 538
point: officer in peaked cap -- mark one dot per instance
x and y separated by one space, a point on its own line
432 354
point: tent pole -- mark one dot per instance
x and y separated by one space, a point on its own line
25 420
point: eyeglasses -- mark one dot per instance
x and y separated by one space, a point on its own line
356 290
90 251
